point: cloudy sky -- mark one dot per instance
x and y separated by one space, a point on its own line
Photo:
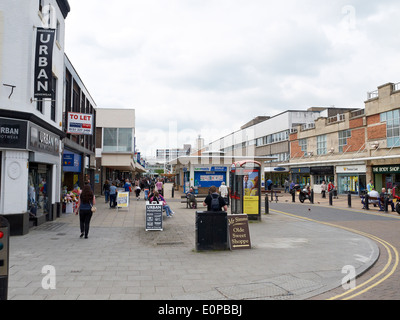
206 67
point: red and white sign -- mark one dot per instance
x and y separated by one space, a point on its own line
80 123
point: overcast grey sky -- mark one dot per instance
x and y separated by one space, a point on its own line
209 66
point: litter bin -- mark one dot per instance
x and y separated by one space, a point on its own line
211 230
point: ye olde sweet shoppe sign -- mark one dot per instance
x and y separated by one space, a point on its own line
239 234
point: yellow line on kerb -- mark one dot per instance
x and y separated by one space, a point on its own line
385 268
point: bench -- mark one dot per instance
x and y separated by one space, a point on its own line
370 199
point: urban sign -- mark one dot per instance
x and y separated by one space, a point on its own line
44 63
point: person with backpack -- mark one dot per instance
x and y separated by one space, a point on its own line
214 201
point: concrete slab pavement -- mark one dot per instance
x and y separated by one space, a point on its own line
291 259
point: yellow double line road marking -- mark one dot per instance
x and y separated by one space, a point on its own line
373 282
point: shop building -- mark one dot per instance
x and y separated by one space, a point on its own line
31 100
115 147
351 148
269 136
79 161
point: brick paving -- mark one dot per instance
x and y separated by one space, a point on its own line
290 259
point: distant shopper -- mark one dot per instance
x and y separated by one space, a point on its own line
127 186
223 190
85 203
214 202
323 189
106 190
159 186
113 195
370 186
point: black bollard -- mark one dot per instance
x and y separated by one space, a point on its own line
366 202
386 203
349 199
293 196
266 204
312 196
331 198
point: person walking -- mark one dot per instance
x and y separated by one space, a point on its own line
106 189
113 195
324 187
85 203
223 190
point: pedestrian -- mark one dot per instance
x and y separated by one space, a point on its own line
286 185
86 201
384 195
214 202
159 186
106 189
370 186
159 198
113 195
323 189
137 191
331 187
223 190
127 186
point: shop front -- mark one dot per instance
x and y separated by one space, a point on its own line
386 176
351 179
301 175
278 175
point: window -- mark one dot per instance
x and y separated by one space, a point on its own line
343 136
321 145
392 119
39 105
303 145
118 140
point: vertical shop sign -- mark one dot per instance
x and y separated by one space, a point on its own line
44 63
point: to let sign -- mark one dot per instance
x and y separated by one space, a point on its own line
239 234
80 124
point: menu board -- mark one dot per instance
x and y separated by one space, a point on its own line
154 217
239 234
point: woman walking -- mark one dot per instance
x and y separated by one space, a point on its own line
86 201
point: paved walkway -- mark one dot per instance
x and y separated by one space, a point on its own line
290 258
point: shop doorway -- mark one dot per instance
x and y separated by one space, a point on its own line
39 189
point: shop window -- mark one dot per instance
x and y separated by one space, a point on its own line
38 189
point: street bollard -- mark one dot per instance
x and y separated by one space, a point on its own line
4 257
266 204
293 196
349 199
366 202
312 196
331 198
386 203
173 192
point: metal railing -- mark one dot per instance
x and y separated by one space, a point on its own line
373 94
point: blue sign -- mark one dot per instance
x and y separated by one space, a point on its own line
72 162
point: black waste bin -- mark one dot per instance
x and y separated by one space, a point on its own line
211 230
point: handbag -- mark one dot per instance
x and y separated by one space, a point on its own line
93 208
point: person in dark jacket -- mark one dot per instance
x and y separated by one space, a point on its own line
86 201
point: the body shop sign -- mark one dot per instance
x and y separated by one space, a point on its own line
79 123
